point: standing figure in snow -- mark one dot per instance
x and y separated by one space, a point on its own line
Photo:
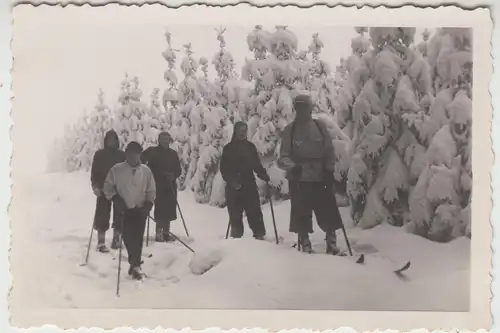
239 161
131 186
307 156
104 159
166 167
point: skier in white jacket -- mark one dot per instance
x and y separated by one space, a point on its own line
131 186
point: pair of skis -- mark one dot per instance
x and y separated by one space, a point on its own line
397 269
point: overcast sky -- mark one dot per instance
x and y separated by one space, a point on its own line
64 55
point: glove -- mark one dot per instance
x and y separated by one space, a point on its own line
146 208
296 171
265 177
97 192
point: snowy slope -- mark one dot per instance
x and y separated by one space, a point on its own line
55 225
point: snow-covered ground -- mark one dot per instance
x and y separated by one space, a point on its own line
52 229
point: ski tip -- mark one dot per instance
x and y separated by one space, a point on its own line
361 259
404 268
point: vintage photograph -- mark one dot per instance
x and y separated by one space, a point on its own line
163 163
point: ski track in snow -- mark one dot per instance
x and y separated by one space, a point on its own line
55 220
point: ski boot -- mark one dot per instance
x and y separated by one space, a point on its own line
159 234
305 243
101 242
136 273
115 243
331 244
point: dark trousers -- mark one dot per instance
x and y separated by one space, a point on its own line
245 200
102 214
134 225
165 205
309 197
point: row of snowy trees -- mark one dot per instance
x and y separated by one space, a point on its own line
399 115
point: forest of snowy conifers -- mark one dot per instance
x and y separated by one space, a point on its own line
399 115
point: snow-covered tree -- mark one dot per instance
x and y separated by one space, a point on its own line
151 121
217 125
170 101
278 76
188 119
100 121
440 202
388 150
130 113
358 72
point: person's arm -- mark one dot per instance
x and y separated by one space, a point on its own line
285 161
177 165
94 170
146 156
224 165
150 186
258 167
110 185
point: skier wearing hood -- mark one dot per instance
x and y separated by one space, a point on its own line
104 159
239 161
166 167
306 154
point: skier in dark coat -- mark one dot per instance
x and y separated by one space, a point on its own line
166 167
239 161
307 156
104 159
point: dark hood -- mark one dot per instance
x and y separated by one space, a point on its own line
236 125
109 134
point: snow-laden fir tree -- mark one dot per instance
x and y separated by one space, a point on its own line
440 202
217 96
100 121
278 76
389 152
188 119
129 115
422 46
151 121
358 72
170 101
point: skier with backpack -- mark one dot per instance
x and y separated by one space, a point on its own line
166 167
239 161
104 159
306 154
131 186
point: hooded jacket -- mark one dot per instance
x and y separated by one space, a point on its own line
104 159
239 161
162 161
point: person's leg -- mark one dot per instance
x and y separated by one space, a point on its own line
327 214
134 225
170 211
301 213
251 205
235 210
101 221
117 222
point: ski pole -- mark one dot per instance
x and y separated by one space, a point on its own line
88 246
228 227
179 208
272 213
120 256
147 233
176 238
347 240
